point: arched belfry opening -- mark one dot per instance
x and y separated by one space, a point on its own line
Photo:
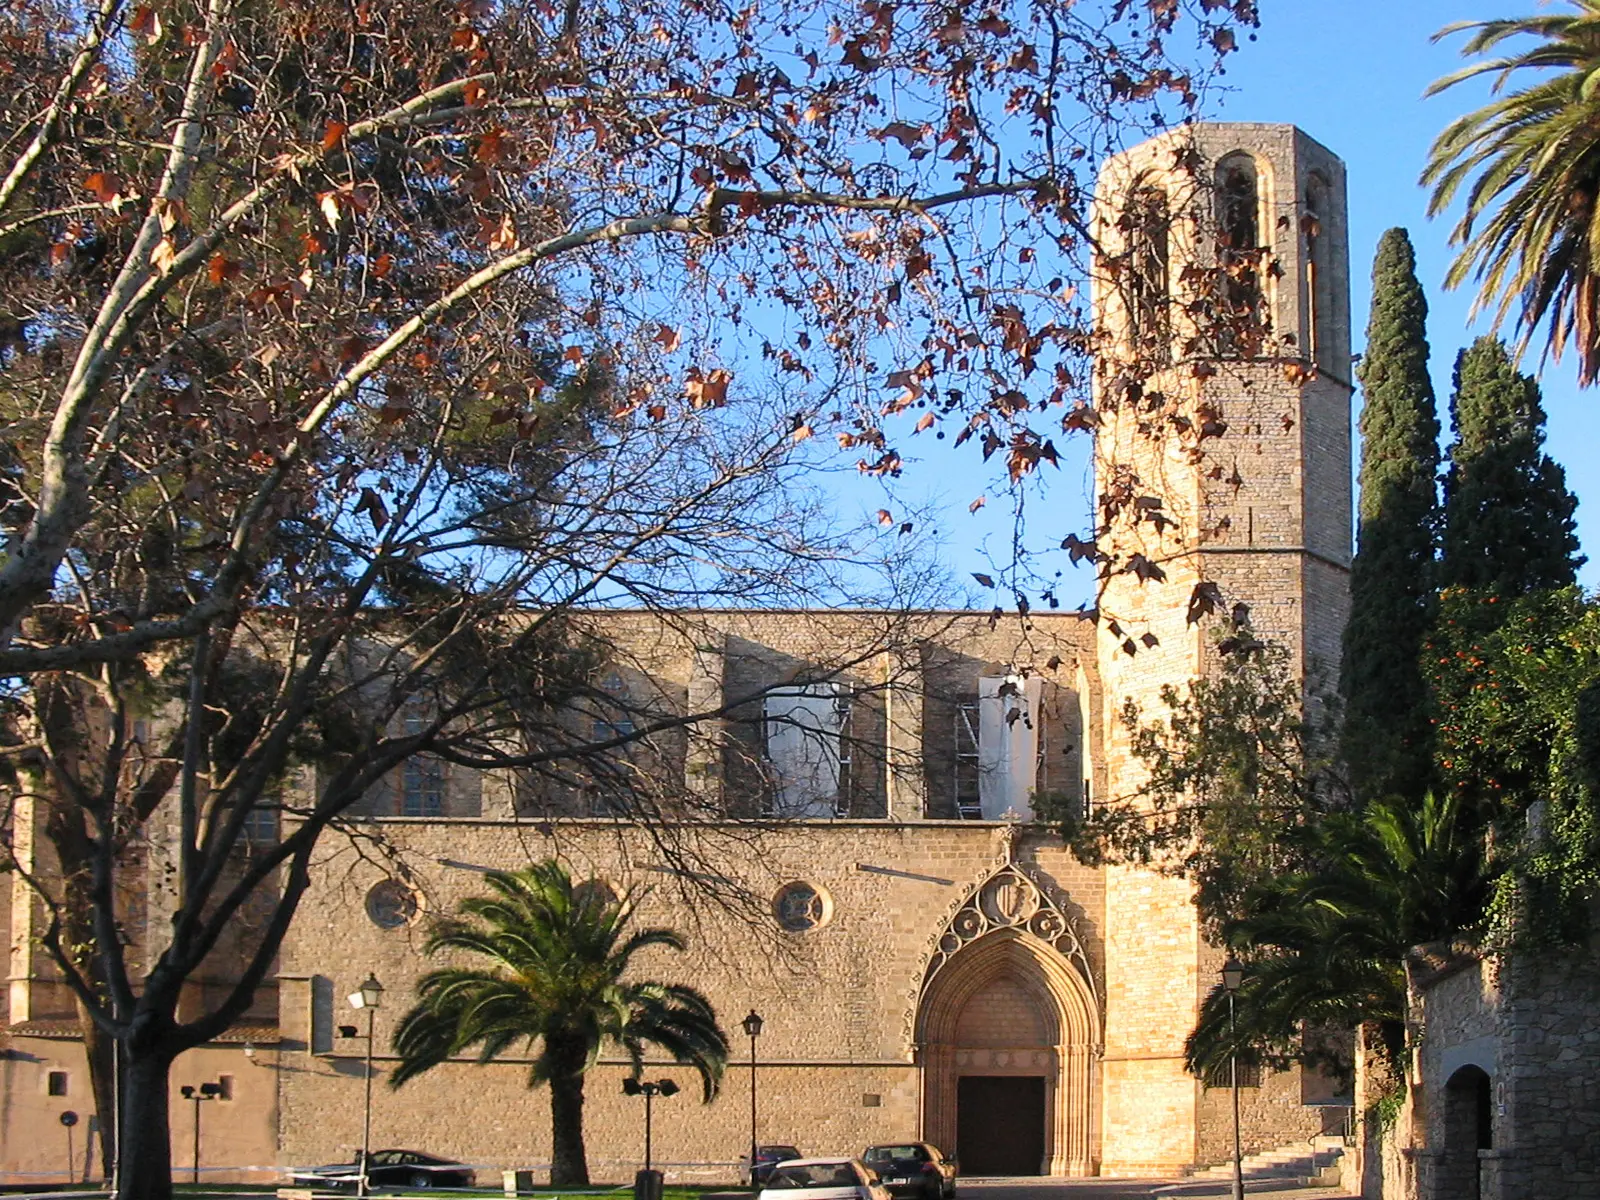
1147 278
1240 225
1238 204
1008 1035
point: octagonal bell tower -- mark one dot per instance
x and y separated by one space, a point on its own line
1222 463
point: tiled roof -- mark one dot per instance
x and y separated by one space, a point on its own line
67 1027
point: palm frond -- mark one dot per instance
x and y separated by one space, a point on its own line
1526 169
553 960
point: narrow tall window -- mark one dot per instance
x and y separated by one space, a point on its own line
967 759
422 778
805 728
1318 295
1237 312
422 787
1148 223
1238 204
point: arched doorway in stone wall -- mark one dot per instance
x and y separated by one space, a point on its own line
1468 1128
1008 1033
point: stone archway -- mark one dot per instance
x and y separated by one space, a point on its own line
1468 1128
1008 996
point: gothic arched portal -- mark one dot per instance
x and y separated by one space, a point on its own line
1008 1020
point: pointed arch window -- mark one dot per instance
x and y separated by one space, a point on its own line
1148 221
1238 312
1238 204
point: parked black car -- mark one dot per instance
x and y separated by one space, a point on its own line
391 1168
913 1169
767 1157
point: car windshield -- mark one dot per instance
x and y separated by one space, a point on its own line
814 1175
893 1154
777 1153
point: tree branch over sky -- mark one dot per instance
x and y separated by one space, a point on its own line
791 192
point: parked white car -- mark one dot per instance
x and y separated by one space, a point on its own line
822 1179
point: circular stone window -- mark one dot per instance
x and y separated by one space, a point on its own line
594 893
800 907
391 904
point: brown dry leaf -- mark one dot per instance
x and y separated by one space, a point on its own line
328 202
104 186
885 517
172 213
708 390
667 338
145 22
221 268
333 136
163 256
977 504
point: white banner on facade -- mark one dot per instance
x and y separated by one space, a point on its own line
1009 716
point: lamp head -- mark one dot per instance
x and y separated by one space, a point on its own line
752 1024
208 1090
188 1091
370 995
667 1088
349 1031
1232 975
631 1087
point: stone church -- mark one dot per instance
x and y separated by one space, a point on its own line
929 961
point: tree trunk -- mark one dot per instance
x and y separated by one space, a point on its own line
569 1165
101 1053
145 1170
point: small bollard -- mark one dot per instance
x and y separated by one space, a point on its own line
647 1185
516 1182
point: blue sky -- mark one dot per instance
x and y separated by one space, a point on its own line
1351 73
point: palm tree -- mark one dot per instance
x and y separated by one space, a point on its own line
556 955
1327 945
1528 231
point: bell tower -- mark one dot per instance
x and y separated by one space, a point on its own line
1222 467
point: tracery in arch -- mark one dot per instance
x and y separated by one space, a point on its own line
1011 900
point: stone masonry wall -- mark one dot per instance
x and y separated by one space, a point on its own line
837 1059
1528 1023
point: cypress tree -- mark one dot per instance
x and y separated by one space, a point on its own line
1386 740
1508 517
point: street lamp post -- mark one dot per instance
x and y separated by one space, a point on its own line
206 1091
663 1088
752 1027
1232 977
370 997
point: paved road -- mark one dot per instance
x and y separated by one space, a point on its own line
1130 1189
